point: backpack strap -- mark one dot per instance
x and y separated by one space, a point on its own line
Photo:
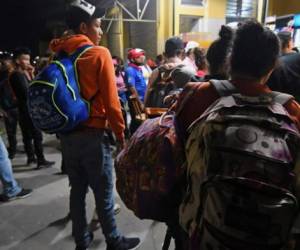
223 87
79 52
281 98
226 88
158 78
190 91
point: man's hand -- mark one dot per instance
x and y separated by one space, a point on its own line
142 106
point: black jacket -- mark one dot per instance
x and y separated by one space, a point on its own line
286 77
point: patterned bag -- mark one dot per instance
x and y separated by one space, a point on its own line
241 159
149 168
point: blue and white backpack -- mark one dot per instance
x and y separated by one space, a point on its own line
54 101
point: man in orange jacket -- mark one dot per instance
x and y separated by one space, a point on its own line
86 149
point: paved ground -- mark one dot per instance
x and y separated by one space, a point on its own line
39 222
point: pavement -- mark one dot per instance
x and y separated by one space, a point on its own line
40 221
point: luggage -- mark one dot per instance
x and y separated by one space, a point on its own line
54 101
169 82
241 156
149 168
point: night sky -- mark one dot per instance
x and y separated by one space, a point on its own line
23 22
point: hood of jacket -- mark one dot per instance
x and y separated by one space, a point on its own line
70 43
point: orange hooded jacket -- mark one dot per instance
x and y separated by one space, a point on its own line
97 83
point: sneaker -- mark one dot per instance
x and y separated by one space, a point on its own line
44 164
125 244
21 195
11 155
117 208
86 247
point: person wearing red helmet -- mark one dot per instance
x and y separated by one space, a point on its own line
135 81
134 75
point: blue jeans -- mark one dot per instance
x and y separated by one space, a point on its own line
10 186
88 164
122 95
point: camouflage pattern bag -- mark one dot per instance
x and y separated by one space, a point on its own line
149 168
242 160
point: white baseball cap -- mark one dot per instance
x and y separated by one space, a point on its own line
191 45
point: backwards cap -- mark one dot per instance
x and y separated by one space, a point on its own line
88 8
82 11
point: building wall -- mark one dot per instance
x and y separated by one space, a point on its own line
188 10
143 34
115 38
215 16
212 16
260 10
281 7
164 25
124 35
152 37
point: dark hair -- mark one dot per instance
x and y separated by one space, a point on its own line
119 59
219 50
75 16
119 67
21 51
4 67
159 57
199 58
173 47
255 50
285 37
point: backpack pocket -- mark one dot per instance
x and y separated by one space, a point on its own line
45 114
241 213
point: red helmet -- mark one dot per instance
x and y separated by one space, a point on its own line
135 53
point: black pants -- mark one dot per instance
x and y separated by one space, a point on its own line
11 122
124 113
32 137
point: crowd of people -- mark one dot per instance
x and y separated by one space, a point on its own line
253 59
